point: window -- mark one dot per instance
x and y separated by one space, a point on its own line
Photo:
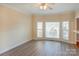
39 29
52 29
65 28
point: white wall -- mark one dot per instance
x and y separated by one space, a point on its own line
15 28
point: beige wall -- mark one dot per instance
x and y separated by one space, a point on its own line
15 28
65 16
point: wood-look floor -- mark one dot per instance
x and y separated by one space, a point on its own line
43 48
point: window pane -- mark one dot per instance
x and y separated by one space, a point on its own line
65 27
39 29
52 29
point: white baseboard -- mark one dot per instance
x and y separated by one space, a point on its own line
14 46
55 40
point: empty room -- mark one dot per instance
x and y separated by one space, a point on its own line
39 29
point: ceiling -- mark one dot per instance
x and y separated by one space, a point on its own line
32 9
